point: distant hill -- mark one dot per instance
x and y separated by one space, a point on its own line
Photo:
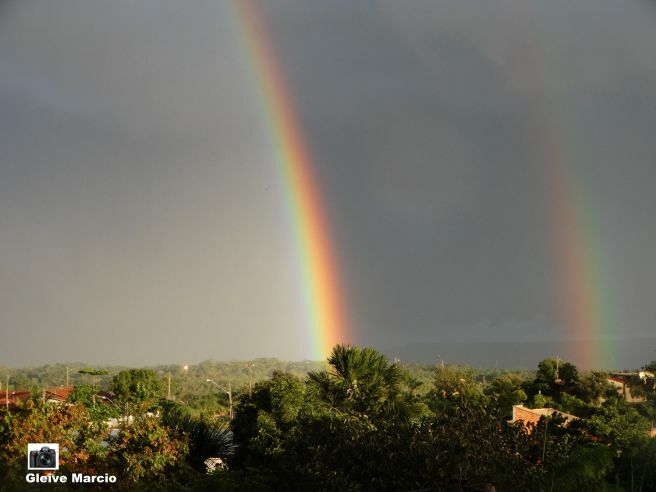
625 354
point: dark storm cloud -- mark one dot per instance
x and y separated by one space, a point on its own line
139 200
429 116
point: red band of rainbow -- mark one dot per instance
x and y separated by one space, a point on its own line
320 272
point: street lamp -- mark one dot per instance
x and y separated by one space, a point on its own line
226 391
103 397
126 418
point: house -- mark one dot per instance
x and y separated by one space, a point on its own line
57 395
50 395
622 384
531 416
13 398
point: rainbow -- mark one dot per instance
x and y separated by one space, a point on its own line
325 307
582 288
582 292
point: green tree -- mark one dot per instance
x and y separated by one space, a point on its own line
363 384
506 390
636 465
267 418
80 440
571 404
470 446
137 386
337 433
147 450
206 438
593 386
553 377
542 401
99 409
617 424
94 374
582 467
451 381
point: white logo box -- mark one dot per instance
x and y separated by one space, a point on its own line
37 447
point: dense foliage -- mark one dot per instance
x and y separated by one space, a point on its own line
357 423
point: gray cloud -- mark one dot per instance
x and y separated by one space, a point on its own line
139 199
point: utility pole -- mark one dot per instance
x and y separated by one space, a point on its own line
7 394
230 398
226 391
250 379
67 376
168 394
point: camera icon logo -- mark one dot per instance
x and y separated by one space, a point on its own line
43 456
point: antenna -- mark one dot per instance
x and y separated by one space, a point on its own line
557 380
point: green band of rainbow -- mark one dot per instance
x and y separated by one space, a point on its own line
582 289
324 304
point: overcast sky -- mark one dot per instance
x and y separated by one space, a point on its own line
141 219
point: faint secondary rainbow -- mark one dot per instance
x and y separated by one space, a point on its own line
325 307
582 290
582 286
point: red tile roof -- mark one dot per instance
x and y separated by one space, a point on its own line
15 397
59 393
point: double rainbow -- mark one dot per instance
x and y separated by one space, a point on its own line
582 294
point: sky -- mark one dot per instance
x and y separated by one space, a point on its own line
141 215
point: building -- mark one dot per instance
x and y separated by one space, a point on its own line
622 383
57 395
16 398
13 398
531 416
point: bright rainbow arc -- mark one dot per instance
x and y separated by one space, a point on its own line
324 303
582 290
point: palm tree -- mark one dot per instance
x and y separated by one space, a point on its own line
362 383
206 439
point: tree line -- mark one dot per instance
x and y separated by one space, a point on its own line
358 422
